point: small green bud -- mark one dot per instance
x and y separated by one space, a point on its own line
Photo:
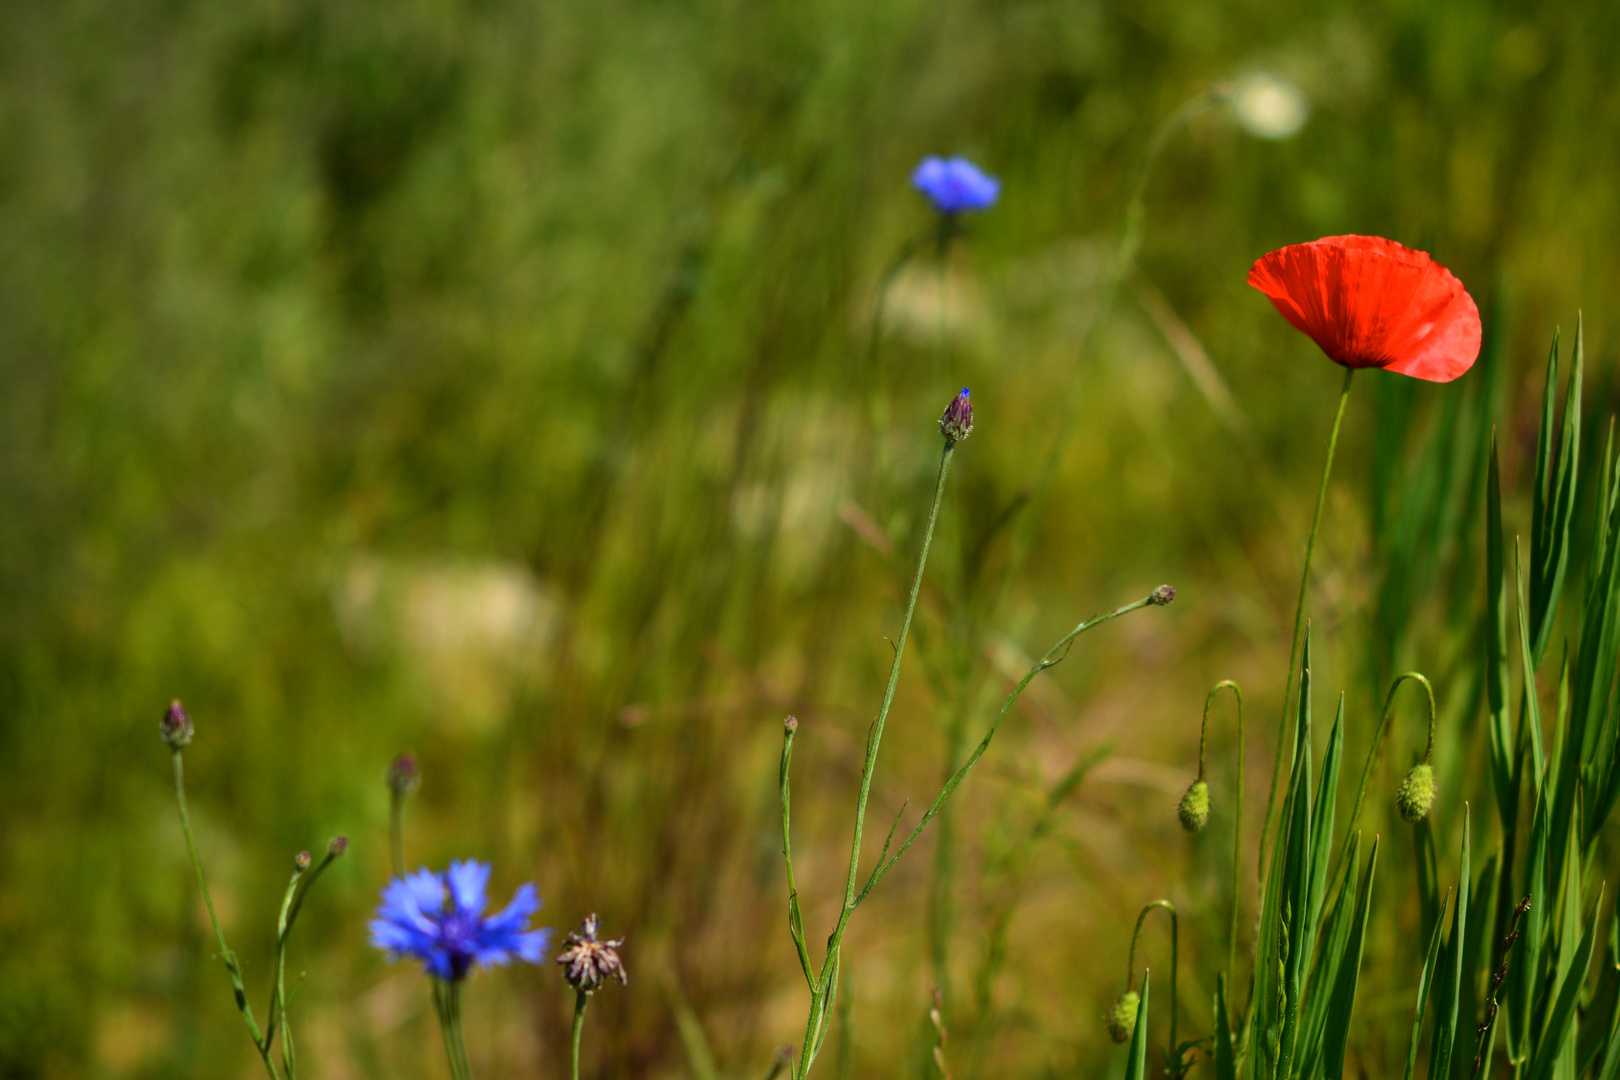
1194 807
1416 793
1122 1017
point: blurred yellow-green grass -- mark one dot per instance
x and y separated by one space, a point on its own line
492 380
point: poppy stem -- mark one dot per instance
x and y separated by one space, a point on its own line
1299 614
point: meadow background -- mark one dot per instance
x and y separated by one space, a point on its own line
492 380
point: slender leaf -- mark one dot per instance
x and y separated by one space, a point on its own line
1136 1063
1337 1032
1425 982
1496 662
1225 1053
1559 1033
1446 1028
1335 941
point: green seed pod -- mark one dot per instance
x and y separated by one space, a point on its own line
1194 807
1122 1017
1416 793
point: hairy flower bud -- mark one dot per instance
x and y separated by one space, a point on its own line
1122 1016
791 725
338 846
404 776
1162 595
957 423
301 861
1194 807
1416 793
176 726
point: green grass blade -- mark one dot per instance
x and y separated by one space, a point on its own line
1446 1028
1496 663
1321 837
1555 504
1335 940
1136 1063
1527 951
1425 983
1540 517
1560 1030
1336 1034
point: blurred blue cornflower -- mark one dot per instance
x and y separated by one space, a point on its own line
440 920
955 184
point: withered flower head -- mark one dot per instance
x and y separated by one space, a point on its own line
588 963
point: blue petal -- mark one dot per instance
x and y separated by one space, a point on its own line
467 881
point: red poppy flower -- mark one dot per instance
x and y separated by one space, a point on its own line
1370 302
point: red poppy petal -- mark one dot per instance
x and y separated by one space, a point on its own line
1370 302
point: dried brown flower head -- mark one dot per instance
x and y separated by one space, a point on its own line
588 963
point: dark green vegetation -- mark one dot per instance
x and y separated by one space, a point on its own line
493 381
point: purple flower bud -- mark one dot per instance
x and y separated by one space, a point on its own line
301 861
338 846
957 423
1162 596
404 777
176 726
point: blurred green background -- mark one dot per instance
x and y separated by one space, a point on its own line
493 380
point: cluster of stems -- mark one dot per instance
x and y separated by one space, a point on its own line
303 879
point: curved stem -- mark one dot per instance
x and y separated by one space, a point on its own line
1130 974
1383 726
1237 825
1299 613
581 1000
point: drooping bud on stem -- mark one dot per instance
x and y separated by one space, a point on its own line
176 726
1193 810
1416 793
1122 1016
957 423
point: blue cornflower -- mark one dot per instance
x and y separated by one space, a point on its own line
955 184
440 920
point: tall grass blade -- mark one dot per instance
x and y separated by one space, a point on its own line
1496 663
1336 1033
1136 1063
1425 984
1554 496
1559 1035
1447 1030
1335 941
1225 1052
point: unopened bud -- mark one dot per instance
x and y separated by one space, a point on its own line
1162 595
404 777
1122 1017
301 861
1194 807
957 423
791 725
1416 793
176 726
338 846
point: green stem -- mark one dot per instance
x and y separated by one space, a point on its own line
581 1000
820 995
396 830
1372 753
232 966
1299 614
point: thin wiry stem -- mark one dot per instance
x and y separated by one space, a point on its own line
825 989
232 966
1299 613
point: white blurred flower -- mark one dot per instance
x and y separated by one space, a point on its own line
1269 107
